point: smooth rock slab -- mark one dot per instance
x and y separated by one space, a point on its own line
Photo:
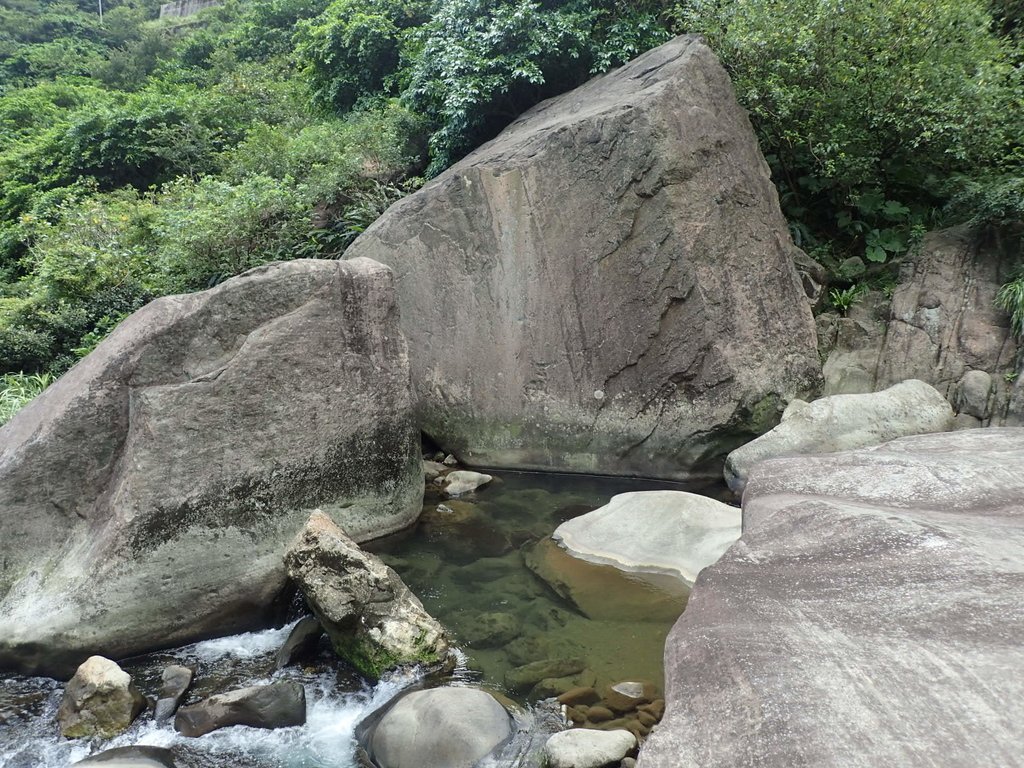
440 728
132 757
844 422
670 532
278 705
587 748
870 615
100 700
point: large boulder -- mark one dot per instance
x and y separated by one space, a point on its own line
844 422
372 618
439 728
670 532
278 705
606 286
100 700
147 496
870 615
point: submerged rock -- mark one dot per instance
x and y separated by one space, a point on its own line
585 748
175 682
463 481
373 620
844 422
440 728
100 700
132 757
147 496
870 615
609 285
669 532
278 705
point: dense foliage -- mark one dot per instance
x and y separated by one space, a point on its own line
140 157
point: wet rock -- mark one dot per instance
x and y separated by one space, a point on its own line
99 701
373 620
893 575
585 748
649 183
433 470
552 687
463 481
278 705
147 496
528 648
599 714
627 696
844 422
450 461
132 757
439 728
575 696
653 531
302 642
528 675
492 630
174 684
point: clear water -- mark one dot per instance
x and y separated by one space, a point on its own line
460 569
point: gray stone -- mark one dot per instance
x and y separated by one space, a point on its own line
844 422
609 285
440 728
433 469
586 748
147 496
852 267
99 701
463 481
528 675
669 532
373 620
972 394
870 615
302 642
132 757
278 705
174 684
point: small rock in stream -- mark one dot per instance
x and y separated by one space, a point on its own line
302 642
176 682
279 705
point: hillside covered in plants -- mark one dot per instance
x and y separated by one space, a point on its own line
142 157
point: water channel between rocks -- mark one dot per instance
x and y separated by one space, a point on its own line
474 565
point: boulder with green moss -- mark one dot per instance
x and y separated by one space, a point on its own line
374 621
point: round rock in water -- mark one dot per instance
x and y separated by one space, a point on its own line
440 728
132 757
100 700
668 532
586 748
463 481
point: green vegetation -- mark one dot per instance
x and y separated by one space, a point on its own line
16 389
141 157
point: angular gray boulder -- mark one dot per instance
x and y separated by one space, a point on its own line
870 615
606 286
844 422
100 700
146 498
278 705
372 618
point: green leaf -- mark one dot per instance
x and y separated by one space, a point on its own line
875 253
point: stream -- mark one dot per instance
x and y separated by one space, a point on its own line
480 558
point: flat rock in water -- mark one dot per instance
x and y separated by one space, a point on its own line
147 496
608 285
278 705
844 422
586 748
870 615
440 728
670 532
132 757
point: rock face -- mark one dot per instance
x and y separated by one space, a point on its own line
608 285
372 618
100 700
870 615
844 422
942 326
584 748
440 728
668 532
147 496
279 705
